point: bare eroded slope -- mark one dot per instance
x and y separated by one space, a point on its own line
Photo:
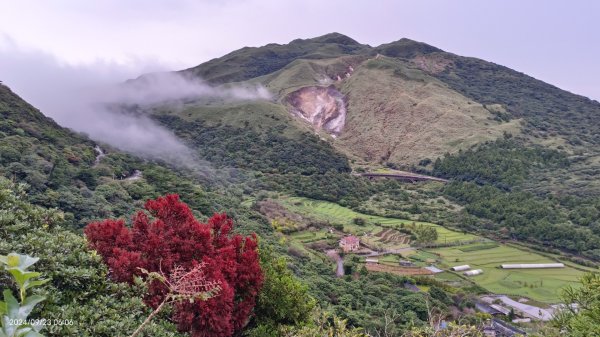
401 115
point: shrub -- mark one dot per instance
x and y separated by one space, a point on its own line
175 239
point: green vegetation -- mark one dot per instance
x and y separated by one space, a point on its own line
521 156
522 215
247 63
482 246
284 302
270 152
58 167
548 110
503 163
78 289
334 213
539 284
15 313
583 318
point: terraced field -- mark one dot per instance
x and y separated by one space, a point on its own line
539 284
411 271
309 236
334 213
392 236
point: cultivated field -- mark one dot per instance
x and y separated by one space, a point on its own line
397 270
539 284
334 213
309 236
391 236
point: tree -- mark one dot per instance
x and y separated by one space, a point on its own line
325 324
169 237
581 314
425 234
511 314
359 221
283 301
79 291
440 295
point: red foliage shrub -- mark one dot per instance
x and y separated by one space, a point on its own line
171 237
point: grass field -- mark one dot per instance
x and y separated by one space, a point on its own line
309 236
385 268
334 213
539 284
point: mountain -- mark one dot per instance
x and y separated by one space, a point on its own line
515 161
339 105
247 63
65 170
401 103
68 184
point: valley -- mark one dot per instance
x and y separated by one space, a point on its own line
359 181
317 226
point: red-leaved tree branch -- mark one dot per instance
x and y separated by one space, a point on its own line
168 239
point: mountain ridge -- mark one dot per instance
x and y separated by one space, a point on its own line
518 99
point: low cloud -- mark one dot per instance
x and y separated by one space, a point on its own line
160 87
93 99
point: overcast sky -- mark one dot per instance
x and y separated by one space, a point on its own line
111 40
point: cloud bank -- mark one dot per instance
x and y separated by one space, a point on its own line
93 99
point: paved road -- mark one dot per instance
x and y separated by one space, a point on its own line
529 310
340 262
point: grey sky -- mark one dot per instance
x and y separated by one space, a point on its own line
555 41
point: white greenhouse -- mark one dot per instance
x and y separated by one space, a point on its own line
532 265
461 268
473 272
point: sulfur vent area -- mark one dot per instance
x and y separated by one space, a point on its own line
323 107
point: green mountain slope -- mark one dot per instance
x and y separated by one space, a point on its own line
518 168
86 191
247 63
61 171
408 102
413 106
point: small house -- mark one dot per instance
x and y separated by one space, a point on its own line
349 243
